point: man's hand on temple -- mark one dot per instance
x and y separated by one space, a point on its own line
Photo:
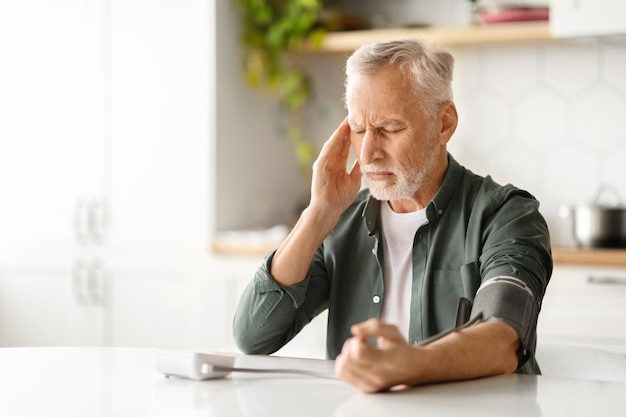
332 187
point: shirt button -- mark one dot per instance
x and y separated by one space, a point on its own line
376 299
374 252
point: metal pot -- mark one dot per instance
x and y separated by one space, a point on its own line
601 224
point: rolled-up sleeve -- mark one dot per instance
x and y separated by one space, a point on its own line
268 314
516 266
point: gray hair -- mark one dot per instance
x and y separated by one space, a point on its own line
430 68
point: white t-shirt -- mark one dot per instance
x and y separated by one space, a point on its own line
398 233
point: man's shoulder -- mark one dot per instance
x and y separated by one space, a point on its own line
486 197
487 189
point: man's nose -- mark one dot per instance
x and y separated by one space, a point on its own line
370 147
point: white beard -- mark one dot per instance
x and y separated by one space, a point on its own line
405 182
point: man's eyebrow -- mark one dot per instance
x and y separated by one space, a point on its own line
382 123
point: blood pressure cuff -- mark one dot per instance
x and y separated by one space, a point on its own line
510 300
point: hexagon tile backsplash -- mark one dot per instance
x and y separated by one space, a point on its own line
549 118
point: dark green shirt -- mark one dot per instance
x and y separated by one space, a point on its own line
477 230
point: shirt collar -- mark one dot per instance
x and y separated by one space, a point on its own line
437 206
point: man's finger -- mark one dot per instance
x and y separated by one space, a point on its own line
339 141
356 365
354 165
374 328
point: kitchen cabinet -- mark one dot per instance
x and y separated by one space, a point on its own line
189 304
42 306
158 189
105 162
585 305
51 120
587 17
170 305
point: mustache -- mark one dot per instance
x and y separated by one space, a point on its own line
369 168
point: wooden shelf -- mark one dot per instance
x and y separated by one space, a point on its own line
591 257
446 36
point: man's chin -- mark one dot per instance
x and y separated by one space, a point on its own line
388 193
381 195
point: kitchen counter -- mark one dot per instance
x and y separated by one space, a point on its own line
590 257
122 382
561 255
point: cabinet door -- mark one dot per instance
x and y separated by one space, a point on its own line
48 120
585 305
166 304
51 127
160 143
43 307
587 17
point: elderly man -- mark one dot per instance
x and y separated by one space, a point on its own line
428 250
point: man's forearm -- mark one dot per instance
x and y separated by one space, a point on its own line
482 350
292 260
485 349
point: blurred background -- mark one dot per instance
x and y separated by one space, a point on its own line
142 180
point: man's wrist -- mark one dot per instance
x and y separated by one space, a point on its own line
322 220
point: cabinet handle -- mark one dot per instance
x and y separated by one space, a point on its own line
606 280
88 283
89 222
96 221
81 222
79 282
95 284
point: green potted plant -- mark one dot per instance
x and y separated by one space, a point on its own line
271 29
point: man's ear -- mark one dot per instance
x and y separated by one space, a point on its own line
448 120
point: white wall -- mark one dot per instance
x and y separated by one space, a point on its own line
257 182
550 118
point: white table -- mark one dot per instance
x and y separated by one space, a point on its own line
120 382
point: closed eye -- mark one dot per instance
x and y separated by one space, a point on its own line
392 131
380 130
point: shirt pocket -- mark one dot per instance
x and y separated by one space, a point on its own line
447 288
471 280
